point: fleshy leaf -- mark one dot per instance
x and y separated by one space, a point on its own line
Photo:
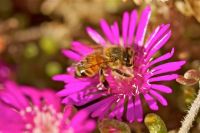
113 126
155 124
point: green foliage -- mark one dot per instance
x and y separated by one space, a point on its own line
155 124
48 45
53 68
113 126
31 50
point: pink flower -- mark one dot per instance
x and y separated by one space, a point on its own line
147 73
24 109
5 71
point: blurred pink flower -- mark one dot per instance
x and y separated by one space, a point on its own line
5 71
25 109
147 75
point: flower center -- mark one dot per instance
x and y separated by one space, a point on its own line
134 85
44 120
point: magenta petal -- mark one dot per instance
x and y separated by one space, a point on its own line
132 26
118 110
65 78
102 110
162 58
156 35
142 27
159 44
13 90
88 126
71 99
81 48
151 40
161 88
85 127
159 97
34 95
151 102
107 31
138 109
164 78
79 118
88 99
50 98
96 36
130 110
80 98
125 26
72 55
167 67
72 88
98 105
10 100
115 30
11 121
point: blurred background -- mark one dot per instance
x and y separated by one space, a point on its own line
32 33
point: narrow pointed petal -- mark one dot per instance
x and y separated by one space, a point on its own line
72 88
34 96
107 31
81 48
151 102
10 100
152 37
96 36
72 55
159 97
164 78
161 88
130 110
125 26
118 110
98 105
90 98
138 109
102 110
79 118
12 90
132 26
162 58
159 44
115 30
167 67
65 78
142 27
71 99
156 35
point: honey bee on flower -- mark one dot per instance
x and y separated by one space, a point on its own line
112 80
115 58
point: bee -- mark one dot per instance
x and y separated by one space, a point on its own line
113 57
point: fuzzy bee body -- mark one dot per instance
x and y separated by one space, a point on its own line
90 65
114 57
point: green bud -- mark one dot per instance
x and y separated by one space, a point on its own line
155 124
113 126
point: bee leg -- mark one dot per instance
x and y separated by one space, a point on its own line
121 73
103 79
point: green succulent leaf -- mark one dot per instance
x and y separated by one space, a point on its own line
155 124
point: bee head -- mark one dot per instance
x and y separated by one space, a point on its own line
127 58
80 72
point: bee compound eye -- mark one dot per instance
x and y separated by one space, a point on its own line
83 73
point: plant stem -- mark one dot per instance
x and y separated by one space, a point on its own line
190 117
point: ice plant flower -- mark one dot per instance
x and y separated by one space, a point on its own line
123 91
5 71
24 109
